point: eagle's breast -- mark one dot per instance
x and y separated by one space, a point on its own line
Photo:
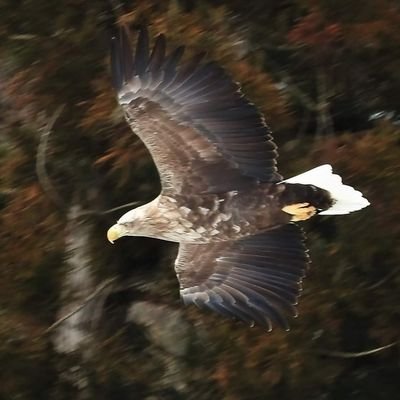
203 218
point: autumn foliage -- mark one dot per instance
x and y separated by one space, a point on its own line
326 75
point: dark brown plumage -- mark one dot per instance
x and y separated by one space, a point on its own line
222 198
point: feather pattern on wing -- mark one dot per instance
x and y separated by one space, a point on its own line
202 133
256 279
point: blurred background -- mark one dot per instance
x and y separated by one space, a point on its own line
81 319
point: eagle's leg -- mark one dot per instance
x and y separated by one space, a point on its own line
300 211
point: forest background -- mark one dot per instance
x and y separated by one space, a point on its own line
327 76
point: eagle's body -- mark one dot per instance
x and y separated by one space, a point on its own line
222 197
216 217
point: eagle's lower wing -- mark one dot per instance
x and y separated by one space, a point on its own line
196 123
256 279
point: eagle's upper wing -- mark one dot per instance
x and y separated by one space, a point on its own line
199 128
256 279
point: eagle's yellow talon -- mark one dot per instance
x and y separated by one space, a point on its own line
300 211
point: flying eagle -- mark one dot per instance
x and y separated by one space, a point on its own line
241 253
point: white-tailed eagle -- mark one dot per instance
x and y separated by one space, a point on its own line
222 199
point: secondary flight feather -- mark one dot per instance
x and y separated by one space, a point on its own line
222 199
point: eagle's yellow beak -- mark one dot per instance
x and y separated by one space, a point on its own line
114 233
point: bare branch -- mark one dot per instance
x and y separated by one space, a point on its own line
41 172
344 354
26 36
32 36
307 102
304 99
85 213
381 282
304 122
111 210
88 299
324 117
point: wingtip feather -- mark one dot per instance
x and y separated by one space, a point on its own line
121 57
142 51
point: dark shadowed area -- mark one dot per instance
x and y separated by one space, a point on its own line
82 319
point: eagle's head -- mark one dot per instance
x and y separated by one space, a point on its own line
137 222
130 224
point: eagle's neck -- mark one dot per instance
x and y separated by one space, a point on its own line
156 219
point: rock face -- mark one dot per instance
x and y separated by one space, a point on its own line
170 337
165 326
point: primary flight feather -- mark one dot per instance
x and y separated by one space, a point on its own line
222 199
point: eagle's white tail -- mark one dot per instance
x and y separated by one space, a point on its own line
346 199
